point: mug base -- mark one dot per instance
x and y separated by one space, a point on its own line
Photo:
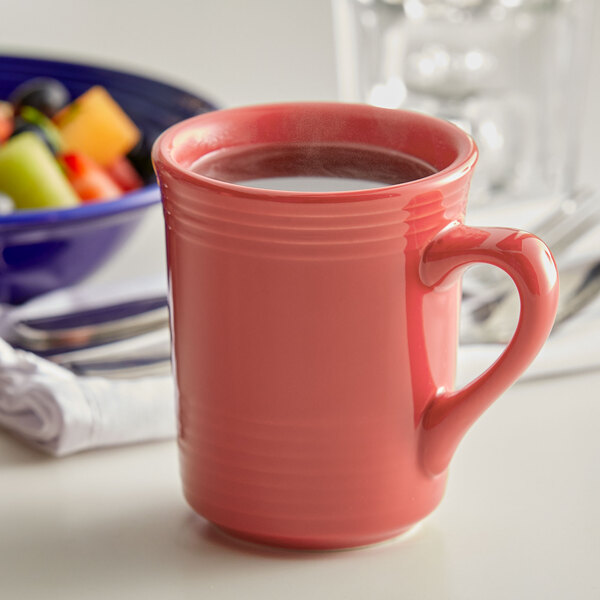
316 544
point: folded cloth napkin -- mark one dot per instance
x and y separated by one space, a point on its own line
60 413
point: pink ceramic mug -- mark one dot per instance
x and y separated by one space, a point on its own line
315 334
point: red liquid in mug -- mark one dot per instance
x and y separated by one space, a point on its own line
312 167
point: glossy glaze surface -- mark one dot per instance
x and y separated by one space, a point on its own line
44 250
315 334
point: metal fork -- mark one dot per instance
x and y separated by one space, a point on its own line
491 305
126 339
495 320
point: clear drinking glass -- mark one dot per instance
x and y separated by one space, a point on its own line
509 72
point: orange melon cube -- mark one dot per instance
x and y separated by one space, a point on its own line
95 125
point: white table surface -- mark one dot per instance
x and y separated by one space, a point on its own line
519 521
520 518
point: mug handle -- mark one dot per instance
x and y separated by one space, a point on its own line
529 263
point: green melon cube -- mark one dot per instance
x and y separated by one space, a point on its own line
31 176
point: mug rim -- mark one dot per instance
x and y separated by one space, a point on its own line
466 154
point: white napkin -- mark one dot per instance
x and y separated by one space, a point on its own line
60 413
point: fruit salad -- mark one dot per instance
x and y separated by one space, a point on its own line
59 152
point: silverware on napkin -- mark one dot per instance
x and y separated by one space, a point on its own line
124 340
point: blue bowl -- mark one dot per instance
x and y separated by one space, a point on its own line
43 250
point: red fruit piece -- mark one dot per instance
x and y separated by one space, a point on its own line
6 121
90 181
123 172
